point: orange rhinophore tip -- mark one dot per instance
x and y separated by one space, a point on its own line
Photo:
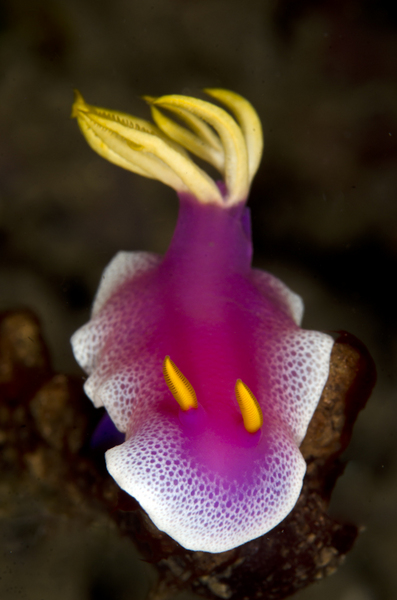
178 385
249 406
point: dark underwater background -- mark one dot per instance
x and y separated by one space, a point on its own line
323 78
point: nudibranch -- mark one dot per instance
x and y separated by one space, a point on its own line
198 358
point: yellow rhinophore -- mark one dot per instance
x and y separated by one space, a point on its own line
178 385
232 145
249 406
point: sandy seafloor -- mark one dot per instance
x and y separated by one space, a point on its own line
323 77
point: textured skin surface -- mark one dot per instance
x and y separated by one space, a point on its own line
200 475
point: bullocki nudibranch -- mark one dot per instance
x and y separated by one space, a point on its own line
198 358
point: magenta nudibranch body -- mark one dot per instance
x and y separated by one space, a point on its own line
197 357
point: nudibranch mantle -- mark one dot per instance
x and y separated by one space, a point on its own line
178 344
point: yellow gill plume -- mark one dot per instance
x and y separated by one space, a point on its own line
158 151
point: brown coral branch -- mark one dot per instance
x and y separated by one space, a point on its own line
46 423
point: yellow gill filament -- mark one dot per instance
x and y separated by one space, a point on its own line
178 385
236 156
249 406
249 121
189 140
114 149
197 125
139 146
